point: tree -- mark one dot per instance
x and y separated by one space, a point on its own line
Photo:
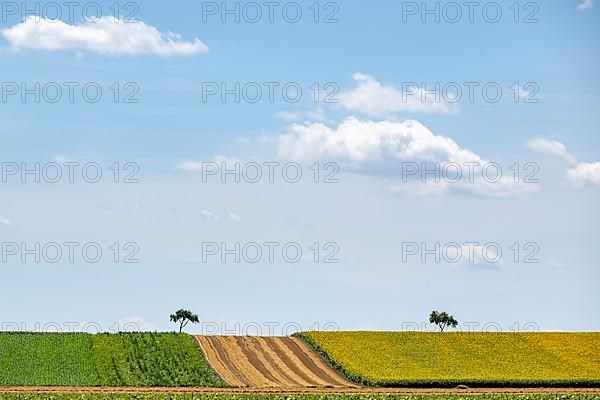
184 317
442 320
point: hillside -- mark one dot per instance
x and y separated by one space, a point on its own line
476 359
263 362
136 359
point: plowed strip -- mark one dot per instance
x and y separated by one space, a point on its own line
306 349
258 362
218 360
269 362
242 362
284 361
314 363
274 362
299 363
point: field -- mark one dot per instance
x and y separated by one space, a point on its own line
260 362
452 358
136 359
292 397
145 363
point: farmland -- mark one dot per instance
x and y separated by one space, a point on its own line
297 397
474 359
166 362
276 362
137 359
49 359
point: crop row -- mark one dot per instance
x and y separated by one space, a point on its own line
132 359
296 397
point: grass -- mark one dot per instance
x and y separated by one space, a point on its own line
292 397
128 359
452 358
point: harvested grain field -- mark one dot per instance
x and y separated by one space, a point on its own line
268 362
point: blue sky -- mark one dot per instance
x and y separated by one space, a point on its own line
367 61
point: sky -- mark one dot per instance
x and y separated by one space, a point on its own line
284 166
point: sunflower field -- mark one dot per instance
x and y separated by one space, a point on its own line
452 358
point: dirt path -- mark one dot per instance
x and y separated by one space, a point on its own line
203 390
269 362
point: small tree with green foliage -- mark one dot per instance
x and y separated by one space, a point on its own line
184 317
442 320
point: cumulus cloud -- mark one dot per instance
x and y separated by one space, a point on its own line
586 5
107 36
582 174
386 147
551 147
4 220
360 141
585 174
374 99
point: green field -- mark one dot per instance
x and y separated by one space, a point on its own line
128 359
452 358
289 397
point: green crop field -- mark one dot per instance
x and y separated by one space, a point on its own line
48 359
290 397
451 358
132 359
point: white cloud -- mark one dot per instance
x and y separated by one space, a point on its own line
374 99
107 36
551 147
587 4
585 174
209 215
4 220
136 324
368 141
385 147
234 217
